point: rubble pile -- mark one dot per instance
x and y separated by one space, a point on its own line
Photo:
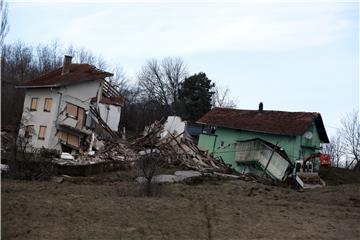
112 152
178 149
175 149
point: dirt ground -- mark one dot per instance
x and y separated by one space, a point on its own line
208 210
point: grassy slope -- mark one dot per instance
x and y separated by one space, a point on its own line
335 176
213 210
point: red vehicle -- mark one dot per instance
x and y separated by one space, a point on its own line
325 159
304 171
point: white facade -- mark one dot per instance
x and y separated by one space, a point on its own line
80 95
110 114
40 117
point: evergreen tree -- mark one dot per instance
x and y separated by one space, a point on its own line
195 96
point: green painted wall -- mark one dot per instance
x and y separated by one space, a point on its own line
222 143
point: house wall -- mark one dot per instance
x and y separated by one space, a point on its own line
111 115
40 118
306 147
223 143
79 94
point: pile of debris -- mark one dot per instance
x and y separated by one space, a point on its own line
177 147
112 152
170 140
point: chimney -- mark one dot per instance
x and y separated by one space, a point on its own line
261 107
66 64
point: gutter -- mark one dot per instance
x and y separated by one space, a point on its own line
58 111
250 130
58 85
38 86
214 144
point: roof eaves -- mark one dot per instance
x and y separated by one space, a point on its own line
250 130
37 86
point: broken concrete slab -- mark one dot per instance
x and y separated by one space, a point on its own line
66 156
167 178
190 173
173 125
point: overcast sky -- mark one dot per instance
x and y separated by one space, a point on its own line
298 56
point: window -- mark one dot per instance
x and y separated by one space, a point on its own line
68 138
47 104
73 140
34 104
72 110
77 113
29 131
42 132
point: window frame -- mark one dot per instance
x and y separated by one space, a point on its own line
77 111
65 139
29 131
31 104
51 101
39 136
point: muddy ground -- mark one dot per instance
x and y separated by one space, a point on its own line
110 209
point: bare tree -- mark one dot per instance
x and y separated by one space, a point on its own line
221 98
351 138
119 80
49 57
175 72
149 165
161 81
82 55
4 28
335 149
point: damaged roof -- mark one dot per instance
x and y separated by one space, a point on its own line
117 101
78 73
275 122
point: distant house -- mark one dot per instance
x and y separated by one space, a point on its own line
297 134
63 108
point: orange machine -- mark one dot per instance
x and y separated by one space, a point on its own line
325 159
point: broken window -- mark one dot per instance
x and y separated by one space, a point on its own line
80 118
42 132
76 112
47 104
29 131
34 104
69 138
72 110
73 140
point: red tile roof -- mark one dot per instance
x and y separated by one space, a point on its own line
78 73
275 122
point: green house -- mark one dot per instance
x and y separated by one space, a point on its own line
299 134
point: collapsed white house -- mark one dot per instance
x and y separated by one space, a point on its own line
64 109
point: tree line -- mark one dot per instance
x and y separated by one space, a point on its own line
344 146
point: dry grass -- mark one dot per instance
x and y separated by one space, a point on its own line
210 210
